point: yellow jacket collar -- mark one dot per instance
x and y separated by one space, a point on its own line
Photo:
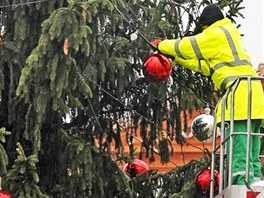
224 21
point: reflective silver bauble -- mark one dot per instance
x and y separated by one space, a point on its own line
202 127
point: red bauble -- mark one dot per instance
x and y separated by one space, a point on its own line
157 68
4 194
136 167
203 181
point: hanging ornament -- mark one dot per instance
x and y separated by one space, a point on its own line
134 36
4 194
203 179
136 167
157 68
202 126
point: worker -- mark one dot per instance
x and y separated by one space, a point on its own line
218 51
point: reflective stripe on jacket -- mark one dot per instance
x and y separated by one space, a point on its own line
219 52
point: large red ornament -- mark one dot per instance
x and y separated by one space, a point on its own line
157 68
4 194
136 167
203 181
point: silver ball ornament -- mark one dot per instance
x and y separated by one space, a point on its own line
202 127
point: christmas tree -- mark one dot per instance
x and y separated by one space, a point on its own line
72 69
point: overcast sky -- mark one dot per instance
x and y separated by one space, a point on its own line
252 26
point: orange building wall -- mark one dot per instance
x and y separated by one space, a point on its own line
191 150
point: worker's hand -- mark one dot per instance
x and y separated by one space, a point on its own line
156 42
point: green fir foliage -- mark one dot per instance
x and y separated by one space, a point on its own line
21 180
3 154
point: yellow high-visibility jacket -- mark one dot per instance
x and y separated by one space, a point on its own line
219 52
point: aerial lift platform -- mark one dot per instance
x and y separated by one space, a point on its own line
226 189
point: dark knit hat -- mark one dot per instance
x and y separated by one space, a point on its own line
210 14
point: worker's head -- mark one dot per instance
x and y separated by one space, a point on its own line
210 14
260 69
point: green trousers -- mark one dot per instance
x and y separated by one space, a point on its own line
239 153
